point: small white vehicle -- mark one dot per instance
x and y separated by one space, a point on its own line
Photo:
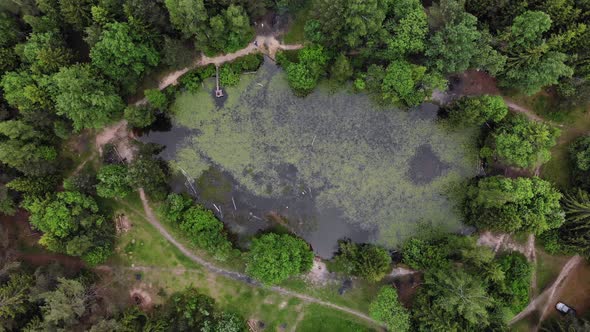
564 309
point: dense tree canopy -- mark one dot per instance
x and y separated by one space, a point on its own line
475 111
71 224
520 142
113 182
514 205
532 63
579 151
123 54
85 98
274 258
364 260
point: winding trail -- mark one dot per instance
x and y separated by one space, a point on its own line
150 216
268 45
544 302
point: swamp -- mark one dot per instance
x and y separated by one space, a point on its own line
328 166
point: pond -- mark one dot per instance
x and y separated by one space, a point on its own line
327 166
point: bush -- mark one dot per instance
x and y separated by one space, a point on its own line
515 288
139 116
228 77
475 111
113 182
387 309
363 260
206 232
156 98
200 225
273 258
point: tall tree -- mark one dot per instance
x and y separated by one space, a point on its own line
579 152
14 296
458 44
123 54
71 224
65 305
27 149
188 16
475 111
407 84
520 142
574 234
85 98
514 205
452 300
532 62
346 24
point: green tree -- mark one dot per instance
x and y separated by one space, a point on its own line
475 111
45 52
23 91
7 206
175 206
227 32
25 148
85 98
574 234
304 75
123 54
113 182
515 287
532 63
408 84
190 311
10 33
346 24
451 300
34 185
404 32
579 151
147 173
511 205
274 258
520 142
14 296
458 45
76 12
139 116
206 232
364 260
71 224
176 53
64 306
156 98
341 70
188 16
387 309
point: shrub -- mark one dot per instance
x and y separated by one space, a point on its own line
387 309
274 258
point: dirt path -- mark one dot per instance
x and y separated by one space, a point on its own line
545 302
150 216
523 110
268 45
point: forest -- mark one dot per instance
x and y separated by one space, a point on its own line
73 70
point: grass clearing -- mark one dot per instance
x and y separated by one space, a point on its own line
163 270
547 269
318 318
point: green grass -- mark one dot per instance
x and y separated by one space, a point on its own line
171 271
547 269
318 318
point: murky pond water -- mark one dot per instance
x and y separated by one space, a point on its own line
328 166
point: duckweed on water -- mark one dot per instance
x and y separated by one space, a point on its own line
339 147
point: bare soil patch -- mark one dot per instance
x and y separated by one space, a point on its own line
141 298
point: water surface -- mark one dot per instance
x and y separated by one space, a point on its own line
327 166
